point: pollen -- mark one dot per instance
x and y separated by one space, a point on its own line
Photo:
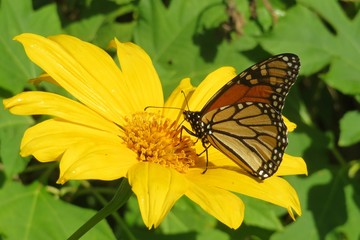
157 139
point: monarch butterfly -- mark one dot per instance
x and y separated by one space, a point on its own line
243 119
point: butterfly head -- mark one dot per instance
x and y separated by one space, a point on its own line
190 116
197 125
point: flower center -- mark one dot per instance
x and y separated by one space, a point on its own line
156 139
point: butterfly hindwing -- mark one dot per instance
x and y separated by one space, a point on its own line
253 135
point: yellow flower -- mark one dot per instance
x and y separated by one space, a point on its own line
106 134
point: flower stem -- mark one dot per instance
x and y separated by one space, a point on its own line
120 198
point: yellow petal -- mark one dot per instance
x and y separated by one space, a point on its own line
223 205
177 100
43 103
290 125
48 140
275 190
86 160
157 189
291 165
140 76
84 70
209 86
216 158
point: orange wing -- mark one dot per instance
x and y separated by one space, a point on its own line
266 82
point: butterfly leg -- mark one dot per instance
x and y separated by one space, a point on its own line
207 160
189 132
206 147
205 144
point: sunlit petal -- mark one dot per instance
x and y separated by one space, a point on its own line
292 166
48 140
274 189
290 125
81 68
81 161
220 203
157 189
36 103
139 76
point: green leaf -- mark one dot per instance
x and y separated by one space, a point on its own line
344 71
303 228
330 207
122 31
261 214
350 229
12 128
32 213
305 32
86 28
99 22
304 186
190 46
213 234
301 32
349 129
18 16
184 217
132 214
187 216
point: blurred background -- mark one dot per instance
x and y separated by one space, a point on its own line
191 39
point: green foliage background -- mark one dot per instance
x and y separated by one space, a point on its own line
188 39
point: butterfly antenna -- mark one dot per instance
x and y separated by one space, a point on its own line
186 100
157 107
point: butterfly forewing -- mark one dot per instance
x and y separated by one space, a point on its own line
265 82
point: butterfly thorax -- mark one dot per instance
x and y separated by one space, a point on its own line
200 129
